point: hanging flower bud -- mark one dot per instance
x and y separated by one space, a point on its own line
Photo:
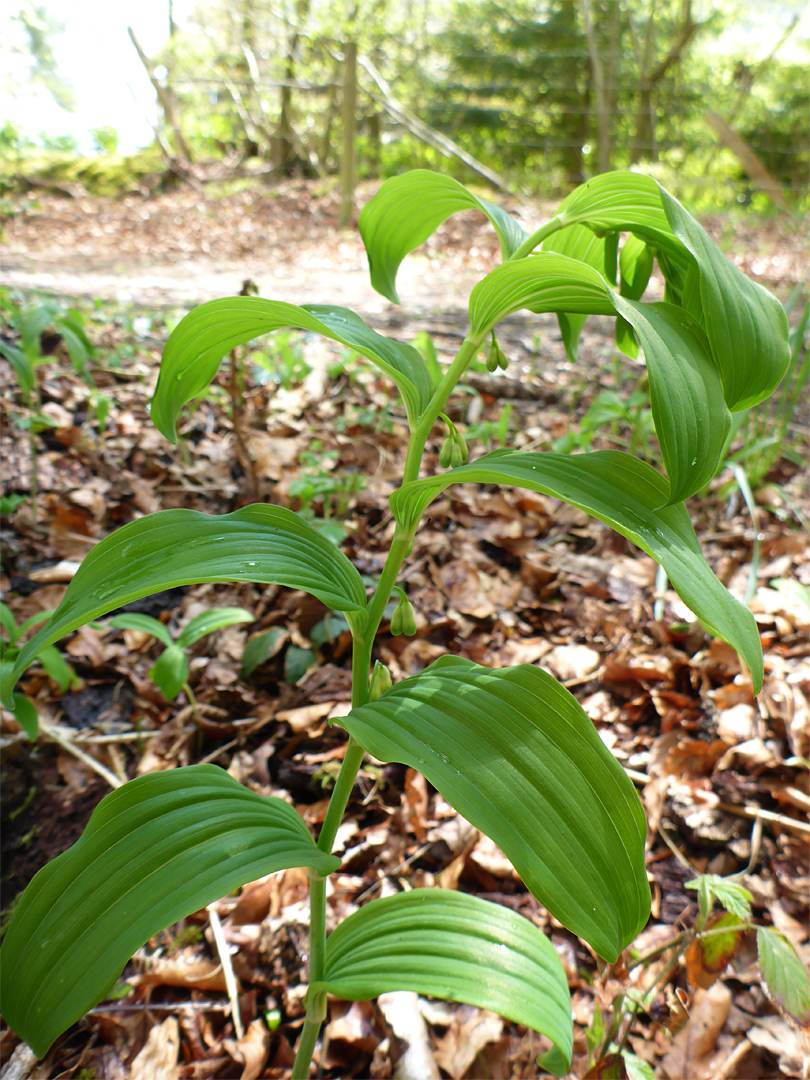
408 619
461 444
446 452
403 621
492 355
503 363
380 681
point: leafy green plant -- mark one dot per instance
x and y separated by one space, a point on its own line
26 357
170 670
52 661
335 488
510 749
707 948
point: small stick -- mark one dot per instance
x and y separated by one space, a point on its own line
89 761
227 970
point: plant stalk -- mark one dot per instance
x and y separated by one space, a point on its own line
364 638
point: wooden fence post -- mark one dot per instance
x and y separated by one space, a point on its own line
348 113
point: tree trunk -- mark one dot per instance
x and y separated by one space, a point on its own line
650 77
165 100
348 115
602 106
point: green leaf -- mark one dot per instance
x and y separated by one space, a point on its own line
170 671
408 209
629 496
746 325
686 394
201 339
25 713
209 621
734 897
21 365
266 544
577 242
785 976
155 850
457 947
544 282
57 668
9 624
143 624
516 754
635 267
258 649
622 201
637 1068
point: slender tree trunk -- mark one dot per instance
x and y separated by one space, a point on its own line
348 115
643 143
602 105
165 99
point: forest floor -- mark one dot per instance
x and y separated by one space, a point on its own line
498 576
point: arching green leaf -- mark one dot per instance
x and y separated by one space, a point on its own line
455 947
209 621
515 753
153 851
686 394
267 544
630 497
746 325
577 242
201 339
142 624
622 202
543 282
408 209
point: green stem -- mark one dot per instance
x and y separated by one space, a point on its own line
449 381
537 237
364 636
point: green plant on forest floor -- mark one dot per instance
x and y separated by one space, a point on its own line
52 661
510 749
170 670
706 948
29 326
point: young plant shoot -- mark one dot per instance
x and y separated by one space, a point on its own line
510 749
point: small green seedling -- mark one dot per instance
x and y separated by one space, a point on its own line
509 748
54 664
170 670
26 357
707 948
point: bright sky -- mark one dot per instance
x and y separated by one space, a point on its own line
93 54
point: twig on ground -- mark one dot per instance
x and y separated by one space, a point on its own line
227 970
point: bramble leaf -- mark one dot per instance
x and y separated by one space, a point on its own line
785 976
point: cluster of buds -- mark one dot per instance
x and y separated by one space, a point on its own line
454 450
496 357
403 621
